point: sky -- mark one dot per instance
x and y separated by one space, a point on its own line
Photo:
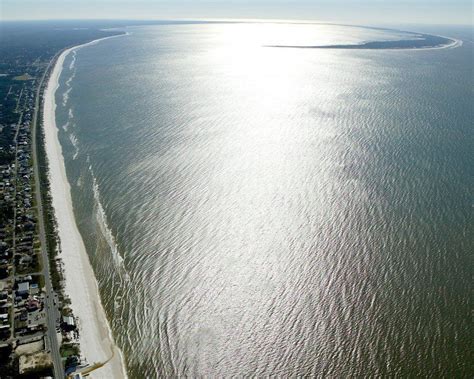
376 12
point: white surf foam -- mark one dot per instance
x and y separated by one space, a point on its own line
75 143
66 96
73 60
102 222
97 344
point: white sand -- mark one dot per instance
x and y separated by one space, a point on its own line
96 339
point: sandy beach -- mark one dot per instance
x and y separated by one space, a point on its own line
97 344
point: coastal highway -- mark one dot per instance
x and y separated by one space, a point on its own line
51 309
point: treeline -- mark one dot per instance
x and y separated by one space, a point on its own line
50 225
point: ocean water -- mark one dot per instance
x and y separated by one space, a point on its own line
254 211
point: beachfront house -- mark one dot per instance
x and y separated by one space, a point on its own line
68 323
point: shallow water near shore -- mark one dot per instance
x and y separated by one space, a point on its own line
258 211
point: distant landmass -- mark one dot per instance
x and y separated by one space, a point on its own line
420 41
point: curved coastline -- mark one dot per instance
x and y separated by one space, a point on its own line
422 42
95 335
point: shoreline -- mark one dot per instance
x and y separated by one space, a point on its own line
453 44
95 335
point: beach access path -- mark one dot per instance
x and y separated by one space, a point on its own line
52 313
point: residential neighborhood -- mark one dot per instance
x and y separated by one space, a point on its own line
26 342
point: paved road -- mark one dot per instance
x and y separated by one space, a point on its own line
13 271
51 309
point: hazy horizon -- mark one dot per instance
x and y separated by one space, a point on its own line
236 188
337 11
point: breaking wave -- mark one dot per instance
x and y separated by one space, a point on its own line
101 218
66 126
73 60
66 96
75 143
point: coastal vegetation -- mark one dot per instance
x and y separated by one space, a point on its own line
49 218
32 312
